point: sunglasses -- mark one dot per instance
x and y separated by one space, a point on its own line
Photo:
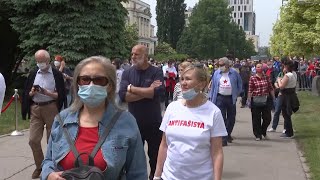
97 80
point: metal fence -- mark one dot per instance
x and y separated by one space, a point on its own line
305 81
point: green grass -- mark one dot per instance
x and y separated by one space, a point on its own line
7 119
307 124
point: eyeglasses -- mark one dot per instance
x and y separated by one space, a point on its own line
97 80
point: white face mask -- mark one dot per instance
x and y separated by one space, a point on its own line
42 66
57 63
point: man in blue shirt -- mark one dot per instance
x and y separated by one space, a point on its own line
141 87
226 87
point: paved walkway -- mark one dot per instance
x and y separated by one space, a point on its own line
245 159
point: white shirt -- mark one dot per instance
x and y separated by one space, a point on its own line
188 132
292 83
225 87
119 75
2 90
171 69
44 80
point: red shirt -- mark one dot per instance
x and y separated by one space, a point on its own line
311 71
260 86
85 142
269 71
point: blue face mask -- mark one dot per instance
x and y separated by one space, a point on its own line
189 94
92 95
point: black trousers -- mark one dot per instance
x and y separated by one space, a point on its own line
244 97
153 136
168 96
287 119
258 114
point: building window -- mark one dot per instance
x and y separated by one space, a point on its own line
241 1
238 8
232 7
247 1
239 21
241 15
245 8
234 15
235 1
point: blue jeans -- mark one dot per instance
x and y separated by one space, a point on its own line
228 111
277 112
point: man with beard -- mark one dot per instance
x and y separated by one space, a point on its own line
141 87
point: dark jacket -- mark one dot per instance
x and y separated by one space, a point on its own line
27 100
290 100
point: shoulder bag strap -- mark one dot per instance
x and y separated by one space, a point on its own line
68 137
106 133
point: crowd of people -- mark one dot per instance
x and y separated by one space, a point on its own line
180 109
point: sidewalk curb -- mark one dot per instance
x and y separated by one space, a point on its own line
303 161
9 134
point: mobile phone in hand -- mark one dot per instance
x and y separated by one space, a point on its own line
37 88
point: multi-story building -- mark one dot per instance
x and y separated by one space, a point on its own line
139 14
187 15
255 40
243 15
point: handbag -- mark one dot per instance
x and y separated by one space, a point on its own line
87 171
259 101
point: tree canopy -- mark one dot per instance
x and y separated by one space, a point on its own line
212 34
75 29
170 20
297 32
131 37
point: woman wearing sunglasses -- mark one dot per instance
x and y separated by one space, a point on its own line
193 127
86 119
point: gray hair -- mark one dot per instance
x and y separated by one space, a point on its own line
42 53
225 60
110 73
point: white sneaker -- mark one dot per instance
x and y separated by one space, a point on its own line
258 139
271 130
283 131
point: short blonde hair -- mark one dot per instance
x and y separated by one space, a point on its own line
110 73
184 64
200 72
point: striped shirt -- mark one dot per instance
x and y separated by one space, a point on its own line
177 93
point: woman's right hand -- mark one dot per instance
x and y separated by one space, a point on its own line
56 176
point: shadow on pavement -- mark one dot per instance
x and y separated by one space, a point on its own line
231 175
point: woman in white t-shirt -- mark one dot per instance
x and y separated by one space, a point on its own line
289 97
193 128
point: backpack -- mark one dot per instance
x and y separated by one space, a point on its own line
86 171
